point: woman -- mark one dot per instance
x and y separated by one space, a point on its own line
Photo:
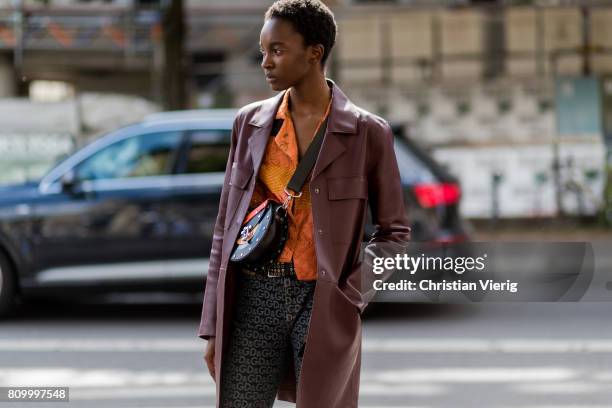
293 331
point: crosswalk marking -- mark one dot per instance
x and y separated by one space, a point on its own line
100 384
94 384
370 345
563 388
370 379
470 375
123 384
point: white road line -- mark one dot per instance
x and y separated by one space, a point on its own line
143 392
604 376
468 345
111 384
103 345
571 387
102 377
470 375
370 388
370 345
561 406
204 391
370 379
94 384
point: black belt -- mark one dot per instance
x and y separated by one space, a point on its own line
271 270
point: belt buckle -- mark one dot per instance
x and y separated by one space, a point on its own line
275 272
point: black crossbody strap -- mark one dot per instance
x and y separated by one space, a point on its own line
308 161
276 126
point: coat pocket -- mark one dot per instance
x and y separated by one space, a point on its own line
347 316
347 187
348 201
346 299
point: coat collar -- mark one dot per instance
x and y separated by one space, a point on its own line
343 119
343 116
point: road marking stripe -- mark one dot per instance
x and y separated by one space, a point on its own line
464 345
92 384
560 406
469 375
566 387
390 378
370 345
109 384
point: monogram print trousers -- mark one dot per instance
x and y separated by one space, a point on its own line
270 323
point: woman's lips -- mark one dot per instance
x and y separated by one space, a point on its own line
271 78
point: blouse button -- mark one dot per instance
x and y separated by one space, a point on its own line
316 190
320 231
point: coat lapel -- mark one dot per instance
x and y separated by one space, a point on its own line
262 120
342 121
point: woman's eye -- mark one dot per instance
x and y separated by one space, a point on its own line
274 51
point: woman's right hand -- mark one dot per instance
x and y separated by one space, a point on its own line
209 357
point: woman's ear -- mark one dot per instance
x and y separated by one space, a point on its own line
317 52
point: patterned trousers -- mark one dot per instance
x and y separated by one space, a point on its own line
270 323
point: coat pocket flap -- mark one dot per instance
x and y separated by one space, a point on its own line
240 176
347 187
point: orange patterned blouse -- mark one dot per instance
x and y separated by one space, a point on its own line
278 165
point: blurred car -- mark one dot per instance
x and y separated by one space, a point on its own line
135 210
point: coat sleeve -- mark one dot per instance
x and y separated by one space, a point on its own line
209 306
386 199
385 192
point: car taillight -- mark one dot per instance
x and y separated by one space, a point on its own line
432 195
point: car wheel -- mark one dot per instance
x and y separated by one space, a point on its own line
7 286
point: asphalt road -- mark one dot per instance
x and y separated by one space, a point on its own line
142 351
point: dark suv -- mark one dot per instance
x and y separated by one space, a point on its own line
135 210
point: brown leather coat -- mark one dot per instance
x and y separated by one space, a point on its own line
356 165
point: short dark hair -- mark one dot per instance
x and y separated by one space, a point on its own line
311 18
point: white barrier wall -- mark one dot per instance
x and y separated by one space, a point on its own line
527 187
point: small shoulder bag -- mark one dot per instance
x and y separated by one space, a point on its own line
265 229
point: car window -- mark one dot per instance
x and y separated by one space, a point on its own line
144 155
412 169
208 151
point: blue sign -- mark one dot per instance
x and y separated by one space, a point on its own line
578 106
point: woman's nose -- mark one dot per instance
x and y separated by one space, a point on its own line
265 61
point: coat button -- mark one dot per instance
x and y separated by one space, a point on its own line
323 272
316 190
320 231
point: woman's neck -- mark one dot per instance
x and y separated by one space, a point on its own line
310 97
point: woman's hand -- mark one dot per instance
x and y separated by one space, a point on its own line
209 357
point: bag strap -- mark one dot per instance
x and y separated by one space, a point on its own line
308 161
276 126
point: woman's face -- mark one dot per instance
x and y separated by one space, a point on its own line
285 60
